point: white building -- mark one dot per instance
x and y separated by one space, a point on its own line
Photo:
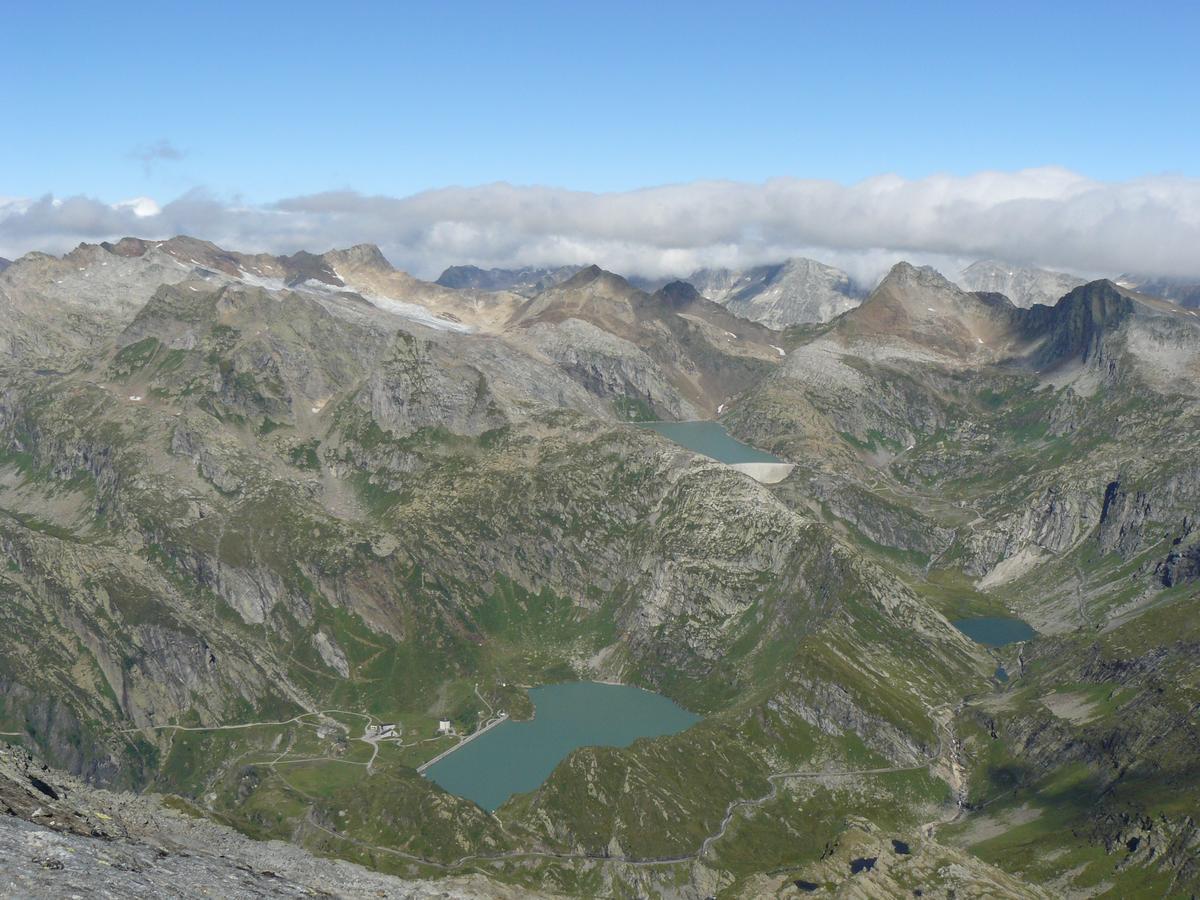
444 727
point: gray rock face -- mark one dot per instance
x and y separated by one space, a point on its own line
1023 286
417 387
1053 523
1122 520
609 366
833 711
331 653
1183 562
793 292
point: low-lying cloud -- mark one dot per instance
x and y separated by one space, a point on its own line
1047 217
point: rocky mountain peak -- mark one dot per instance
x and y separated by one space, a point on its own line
596 280
678 294
586 275
367 255
917 305
914 293
905 273
130 247
303 266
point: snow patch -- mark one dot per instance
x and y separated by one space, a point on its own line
413 311
416 312
267 284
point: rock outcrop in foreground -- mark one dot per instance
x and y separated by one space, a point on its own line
61 838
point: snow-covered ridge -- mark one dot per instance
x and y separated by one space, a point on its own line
404 309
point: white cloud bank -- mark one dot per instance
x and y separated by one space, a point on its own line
1049 217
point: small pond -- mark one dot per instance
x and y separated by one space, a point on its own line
995 631
515 757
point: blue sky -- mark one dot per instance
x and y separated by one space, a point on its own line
266 100
650 138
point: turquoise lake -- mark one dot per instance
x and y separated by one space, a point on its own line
712 440
995 631
515 757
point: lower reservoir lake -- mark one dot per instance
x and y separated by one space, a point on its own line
995 631
712 440
515 757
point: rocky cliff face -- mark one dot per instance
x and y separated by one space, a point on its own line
1123 520
416 387
611 367
1075 329
1182 563
1054 523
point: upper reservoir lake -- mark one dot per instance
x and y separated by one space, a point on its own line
515 757
712 440
995 631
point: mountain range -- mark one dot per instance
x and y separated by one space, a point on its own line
795 292
802 291
249 503
525 281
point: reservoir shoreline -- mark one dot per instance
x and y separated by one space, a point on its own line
519 757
